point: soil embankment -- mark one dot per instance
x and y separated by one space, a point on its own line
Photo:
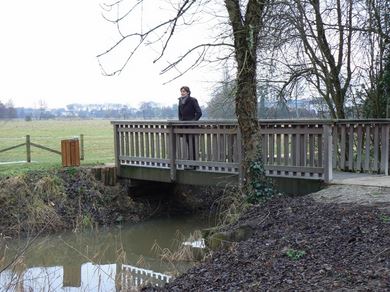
72 198
334 240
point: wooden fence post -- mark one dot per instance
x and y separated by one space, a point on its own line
172 152
28 148
81 146
328 157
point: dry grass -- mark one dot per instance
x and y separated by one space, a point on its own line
230 206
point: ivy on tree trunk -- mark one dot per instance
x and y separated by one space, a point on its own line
246 26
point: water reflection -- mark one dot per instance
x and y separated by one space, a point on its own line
112 259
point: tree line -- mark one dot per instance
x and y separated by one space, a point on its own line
216 108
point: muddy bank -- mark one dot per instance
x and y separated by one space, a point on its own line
72 198
301 244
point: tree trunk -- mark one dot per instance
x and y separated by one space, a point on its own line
246 34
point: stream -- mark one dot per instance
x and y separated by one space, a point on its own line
113 258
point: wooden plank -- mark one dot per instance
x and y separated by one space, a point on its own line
376 148
304 149
122 143
45 148
173 138
223 147
229 143
239 160
359 148
219 155
286 143
158 146
298 150
12 147
342 147
235 149
385 149
293 149
191 146
292 130
279 149
311 150
366 166
271 149
265 148
147 145
142 130
327 163
131 144
335 149
202 144
179 146
152 144
209 164
145 159
197 131
350 148
137 138
127 146
164 148
208 147
320 143
142 144
215 148
292 168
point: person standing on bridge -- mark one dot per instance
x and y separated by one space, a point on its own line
189 109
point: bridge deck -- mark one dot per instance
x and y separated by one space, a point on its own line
360 179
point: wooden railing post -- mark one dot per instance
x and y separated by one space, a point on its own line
81 146
116 149
172 152
328 157
28 148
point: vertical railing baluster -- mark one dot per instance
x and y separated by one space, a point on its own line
172 152
327 164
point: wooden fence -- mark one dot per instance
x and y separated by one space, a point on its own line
28 144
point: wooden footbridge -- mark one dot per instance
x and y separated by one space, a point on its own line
209 152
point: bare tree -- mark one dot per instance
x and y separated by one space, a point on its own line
244 19
323 36
375 31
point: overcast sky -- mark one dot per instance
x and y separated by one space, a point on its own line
48 52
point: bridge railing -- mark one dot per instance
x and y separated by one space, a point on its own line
361 145
297 148
290 149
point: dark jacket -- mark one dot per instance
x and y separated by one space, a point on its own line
189 110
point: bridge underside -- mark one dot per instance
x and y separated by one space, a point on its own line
293 186
189 177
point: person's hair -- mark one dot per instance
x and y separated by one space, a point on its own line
185 88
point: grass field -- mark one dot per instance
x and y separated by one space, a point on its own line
98 142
